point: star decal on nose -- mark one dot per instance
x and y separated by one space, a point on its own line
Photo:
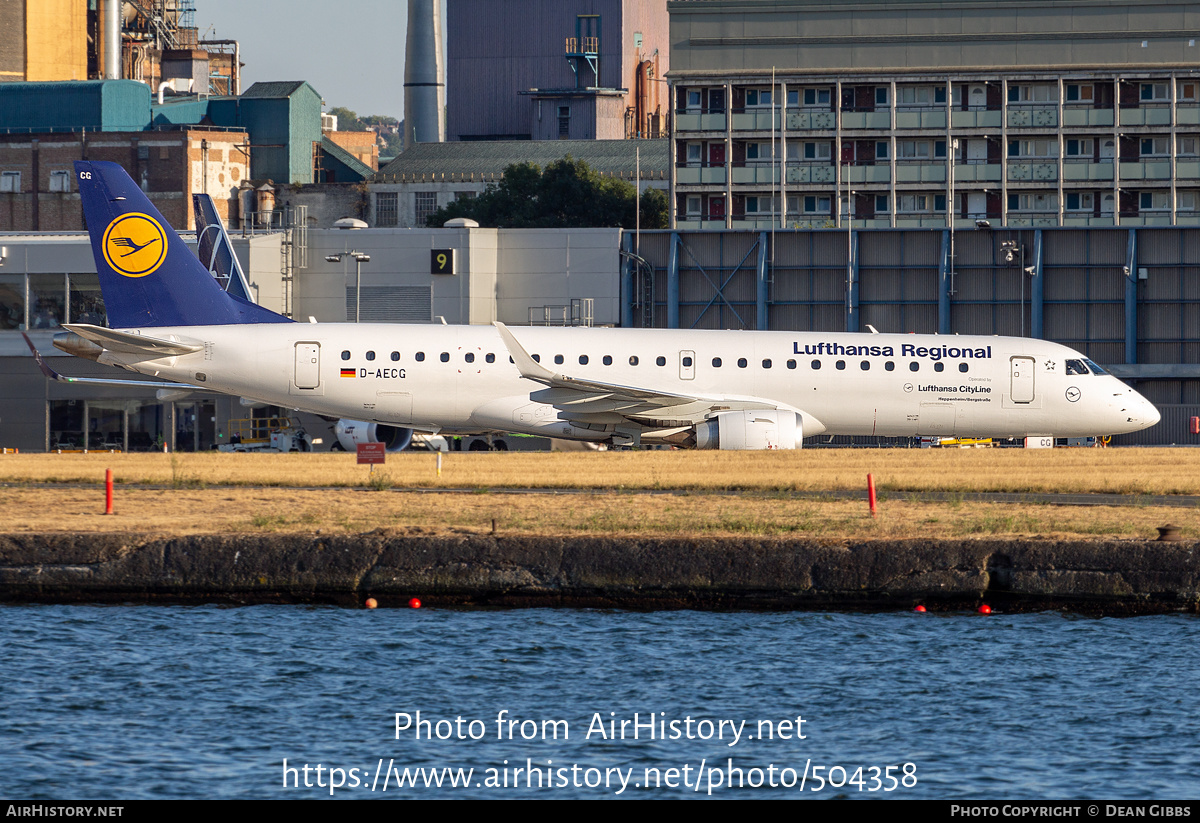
1049 365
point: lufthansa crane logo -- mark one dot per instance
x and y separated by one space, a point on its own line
134 245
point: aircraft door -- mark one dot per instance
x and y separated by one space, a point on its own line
1022 379
687 365
308 365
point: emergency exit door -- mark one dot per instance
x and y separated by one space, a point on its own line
308 365
1021 389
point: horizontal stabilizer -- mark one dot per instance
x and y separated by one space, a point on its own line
127 343
51 374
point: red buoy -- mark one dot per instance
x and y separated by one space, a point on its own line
414 603
919 609
985 609
371 603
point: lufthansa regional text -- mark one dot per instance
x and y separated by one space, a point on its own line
707 775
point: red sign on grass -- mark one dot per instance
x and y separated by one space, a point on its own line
371 453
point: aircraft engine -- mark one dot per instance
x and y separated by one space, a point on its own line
750 430
352 432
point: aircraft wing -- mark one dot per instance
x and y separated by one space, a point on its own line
597 401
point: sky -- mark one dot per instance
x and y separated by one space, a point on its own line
352 53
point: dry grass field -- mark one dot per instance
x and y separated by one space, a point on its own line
1123 471
330 493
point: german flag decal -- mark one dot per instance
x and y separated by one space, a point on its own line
347 372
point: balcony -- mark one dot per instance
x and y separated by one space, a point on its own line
1087 220
810 174
1187 169
1032 117
752 222
870 174
977 173
699 121
755 174
1157 116
1032 219
1188 115
1146 170
696 221
1087 117
935 119
933 172
1026 170
976 119
802 120
756 120
1087 170
918 221
700 175
1162 218
866 120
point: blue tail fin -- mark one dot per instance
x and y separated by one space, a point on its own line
148 276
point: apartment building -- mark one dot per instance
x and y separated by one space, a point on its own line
799 114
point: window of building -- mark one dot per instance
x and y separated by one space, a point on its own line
1042 93
816 97
920 203
1154 201
465 195
1187 146
693 206
881 95
818 151
756 98
1185 201
1186 91
758 153
1155 92
816 204
1081 201
1155 146
60 180
881 204
881 150
761 204
1033 201
695 154
10 181
564 122
693 99
424 204
1033 148
920 149
920 96
1081 147
1080 93
386 211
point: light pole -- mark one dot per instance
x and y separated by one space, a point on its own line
359 259
1014 252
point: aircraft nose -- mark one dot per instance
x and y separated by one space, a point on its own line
1150 414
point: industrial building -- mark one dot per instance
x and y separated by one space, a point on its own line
894 114
429 176
556 69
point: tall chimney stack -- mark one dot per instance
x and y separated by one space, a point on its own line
424 73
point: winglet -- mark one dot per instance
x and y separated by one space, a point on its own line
50 373
528 367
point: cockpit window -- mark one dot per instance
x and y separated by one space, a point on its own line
1095 368
1076 367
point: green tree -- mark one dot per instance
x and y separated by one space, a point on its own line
567 194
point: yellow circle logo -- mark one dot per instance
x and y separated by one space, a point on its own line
134 245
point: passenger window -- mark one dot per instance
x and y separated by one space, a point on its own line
420 357
865 365
370 355
395 356
766 364
537 358
633 360
741 363
469 357
939 366
491 358
608 359
889 366
445 357
583 359
914 366
962 367
791 364
716 362
558 359
662 361
841 365
346 355
816 364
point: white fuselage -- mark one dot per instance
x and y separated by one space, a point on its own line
461 379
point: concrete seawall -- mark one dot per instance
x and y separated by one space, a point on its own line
1102 576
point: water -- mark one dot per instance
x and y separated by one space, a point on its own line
129 702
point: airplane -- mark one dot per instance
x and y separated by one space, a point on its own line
702 389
